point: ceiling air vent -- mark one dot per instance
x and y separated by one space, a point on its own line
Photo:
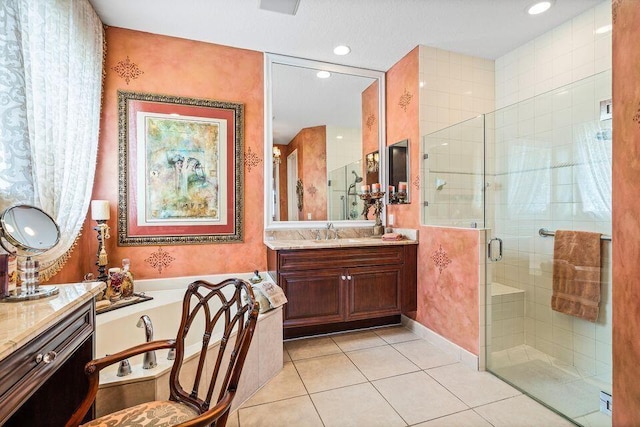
290 7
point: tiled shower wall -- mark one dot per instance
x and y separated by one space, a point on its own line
552 138
453 88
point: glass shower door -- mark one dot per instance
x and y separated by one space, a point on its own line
548 166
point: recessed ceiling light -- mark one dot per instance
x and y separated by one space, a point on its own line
604 29
341 50
538 8
338 136
323 74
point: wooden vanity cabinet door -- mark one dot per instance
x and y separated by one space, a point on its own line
315 296
374 291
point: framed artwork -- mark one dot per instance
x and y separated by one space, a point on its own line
180 170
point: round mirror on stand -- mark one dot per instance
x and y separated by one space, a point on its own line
28 231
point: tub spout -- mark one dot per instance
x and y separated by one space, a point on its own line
149 359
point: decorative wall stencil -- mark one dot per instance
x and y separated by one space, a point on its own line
371 120
636 116
251 159
615 4
405 100
441 259
312 190
127 70
416 182
160 260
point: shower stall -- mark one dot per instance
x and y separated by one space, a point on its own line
344 182
522 172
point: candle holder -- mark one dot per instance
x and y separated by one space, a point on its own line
103 234
375 200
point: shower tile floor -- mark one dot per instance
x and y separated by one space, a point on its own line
571 390
385 377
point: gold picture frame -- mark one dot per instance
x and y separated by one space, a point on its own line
181 173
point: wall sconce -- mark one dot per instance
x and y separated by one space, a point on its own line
276 155
373 162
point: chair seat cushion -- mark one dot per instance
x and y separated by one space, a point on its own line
157 414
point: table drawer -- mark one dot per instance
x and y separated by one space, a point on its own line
340 257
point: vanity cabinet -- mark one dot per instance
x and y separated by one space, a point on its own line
43 381
335 289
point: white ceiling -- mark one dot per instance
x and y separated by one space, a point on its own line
379 32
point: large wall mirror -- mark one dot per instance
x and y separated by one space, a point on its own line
322 120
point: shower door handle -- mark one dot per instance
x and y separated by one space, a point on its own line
490 249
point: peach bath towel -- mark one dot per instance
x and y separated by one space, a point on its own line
576 274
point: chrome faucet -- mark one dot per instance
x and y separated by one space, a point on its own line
149 360
329 229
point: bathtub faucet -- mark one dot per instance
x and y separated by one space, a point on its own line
149 360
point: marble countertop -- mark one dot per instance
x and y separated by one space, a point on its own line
284 244
22 321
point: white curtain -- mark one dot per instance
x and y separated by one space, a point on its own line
60 52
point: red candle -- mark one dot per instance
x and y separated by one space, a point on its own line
392 189
402 187
375 187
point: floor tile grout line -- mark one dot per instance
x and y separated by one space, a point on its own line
389 403
308 395
373 385
458 397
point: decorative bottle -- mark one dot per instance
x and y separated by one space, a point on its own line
127 279
114 285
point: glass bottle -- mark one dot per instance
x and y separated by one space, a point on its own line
114 285
127 279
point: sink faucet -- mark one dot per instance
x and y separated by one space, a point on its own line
149 360
329 228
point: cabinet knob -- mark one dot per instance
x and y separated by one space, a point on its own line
47 357
343 277
348 277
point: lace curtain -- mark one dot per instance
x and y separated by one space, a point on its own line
51 54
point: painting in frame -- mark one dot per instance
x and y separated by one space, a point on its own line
180 170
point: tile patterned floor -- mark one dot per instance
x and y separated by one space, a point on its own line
384 377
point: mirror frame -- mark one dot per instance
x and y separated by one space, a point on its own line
269 60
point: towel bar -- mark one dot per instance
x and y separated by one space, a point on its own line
546 233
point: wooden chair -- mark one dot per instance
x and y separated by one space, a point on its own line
205 302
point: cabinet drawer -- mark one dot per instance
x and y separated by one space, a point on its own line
340 257
24 371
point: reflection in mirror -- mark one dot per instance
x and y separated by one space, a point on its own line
318 134
398 172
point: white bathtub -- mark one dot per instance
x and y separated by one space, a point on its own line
116 330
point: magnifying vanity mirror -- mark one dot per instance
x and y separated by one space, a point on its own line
321 122
398 172
28 231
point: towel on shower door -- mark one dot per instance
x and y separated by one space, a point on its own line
576 274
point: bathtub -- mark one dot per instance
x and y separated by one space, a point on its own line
116 330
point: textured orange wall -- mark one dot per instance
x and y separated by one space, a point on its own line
311 144
626 212
370 123
447 297
191 69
